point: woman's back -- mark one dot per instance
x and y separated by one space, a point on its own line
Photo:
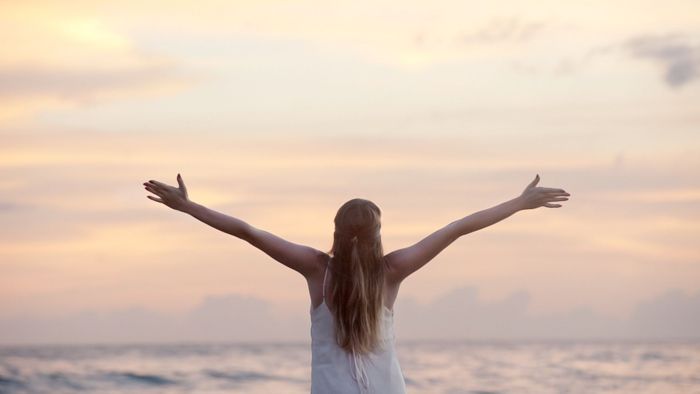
333 370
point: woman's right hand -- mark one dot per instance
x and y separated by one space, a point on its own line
535 197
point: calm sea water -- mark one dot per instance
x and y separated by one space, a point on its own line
429 367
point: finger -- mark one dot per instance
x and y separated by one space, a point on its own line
534 181
548 205
159 184
153 190
152 186
559 198
557 191
156 199
180 182
552 190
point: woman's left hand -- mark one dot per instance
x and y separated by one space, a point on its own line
174 197
536 196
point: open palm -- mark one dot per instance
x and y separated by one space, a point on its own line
536 196
174 197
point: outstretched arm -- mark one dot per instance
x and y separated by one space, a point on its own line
404 262
303 259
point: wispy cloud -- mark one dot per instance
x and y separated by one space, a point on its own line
83 85
504 29
59 57
86 218
677 54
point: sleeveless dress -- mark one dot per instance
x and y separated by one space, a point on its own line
335 371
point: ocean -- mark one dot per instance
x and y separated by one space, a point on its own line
662 367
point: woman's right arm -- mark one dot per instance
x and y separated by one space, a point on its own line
303 259
403 262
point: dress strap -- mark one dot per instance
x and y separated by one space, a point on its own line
324 280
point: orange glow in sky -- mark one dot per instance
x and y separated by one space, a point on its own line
278 112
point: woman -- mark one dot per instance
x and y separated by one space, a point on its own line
353 287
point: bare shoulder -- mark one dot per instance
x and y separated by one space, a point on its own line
391 273
319 266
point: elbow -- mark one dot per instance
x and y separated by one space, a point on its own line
244 232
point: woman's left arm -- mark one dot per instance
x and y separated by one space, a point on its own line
301 258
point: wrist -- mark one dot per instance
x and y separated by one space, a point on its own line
518 203
188 207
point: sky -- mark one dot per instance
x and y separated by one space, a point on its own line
277 112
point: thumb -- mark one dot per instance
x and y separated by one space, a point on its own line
534 181
180 182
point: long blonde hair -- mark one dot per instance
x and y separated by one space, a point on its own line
357 284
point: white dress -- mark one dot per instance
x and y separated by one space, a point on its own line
335 371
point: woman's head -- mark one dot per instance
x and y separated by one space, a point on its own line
357 283
358 220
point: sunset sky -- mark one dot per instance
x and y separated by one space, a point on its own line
277 112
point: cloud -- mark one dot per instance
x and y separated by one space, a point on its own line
25 91
59 57
505 29
85 217
11 206
678 54
672 314
84 84
229 317
457 314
